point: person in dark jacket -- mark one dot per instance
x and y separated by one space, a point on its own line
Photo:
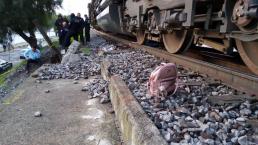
58 25
73 30
64 31
81 28
87 28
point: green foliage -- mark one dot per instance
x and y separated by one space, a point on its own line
18 15
56 44
86 51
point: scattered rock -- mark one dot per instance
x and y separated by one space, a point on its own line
243 140
34 75
37 114
241 119
47 91
168 136
214 93
38 81
84 89
111 111
186 112
104 100
245 112
215 115
183 118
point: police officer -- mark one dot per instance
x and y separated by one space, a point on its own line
87 28
73 30
64 31
80 33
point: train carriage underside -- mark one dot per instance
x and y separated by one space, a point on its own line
225 25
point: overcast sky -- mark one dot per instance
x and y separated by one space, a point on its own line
74 6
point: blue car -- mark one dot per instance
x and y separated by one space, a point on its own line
4 65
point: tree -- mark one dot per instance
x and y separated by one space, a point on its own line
18 15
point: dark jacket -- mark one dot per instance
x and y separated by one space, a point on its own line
58 24
81 21
87 24
74 24
64 30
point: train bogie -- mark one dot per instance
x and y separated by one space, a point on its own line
224 25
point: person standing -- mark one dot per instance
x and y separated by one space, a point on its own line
81 21
73 30
4 47
64 31
4 43
58 25
87 28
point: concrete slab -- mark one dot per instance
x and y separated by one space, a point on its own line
68 116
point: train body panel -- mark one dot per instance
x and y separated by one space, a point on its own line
133 6
108 20
225 25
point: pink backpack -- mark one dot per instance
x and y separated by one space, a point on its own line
163 79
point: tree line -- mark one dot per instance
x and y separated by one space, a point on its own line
18 15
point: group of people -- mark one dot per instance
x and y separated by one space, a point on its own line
66 29
74 28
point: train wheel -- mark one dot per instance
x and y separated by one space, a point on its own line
140 37
178 41
249 53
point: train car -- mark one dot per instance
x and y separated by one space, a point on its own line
225 25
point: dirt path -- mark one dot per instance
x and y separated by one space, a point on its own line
68 116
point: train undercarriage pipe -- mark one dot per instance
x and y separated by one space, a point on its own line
176 18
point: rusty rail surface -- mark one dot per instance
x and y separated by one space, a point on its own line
237 80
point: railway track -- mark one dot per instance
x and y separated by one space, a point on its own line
218 59
241 81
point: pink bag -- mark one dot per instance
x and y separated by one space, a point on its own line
163 79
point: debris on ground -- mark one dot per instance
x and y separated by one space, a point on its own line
186 117
98 87
37 114
84 67
47 91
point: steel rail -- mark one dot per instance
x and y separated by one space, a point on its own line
237 80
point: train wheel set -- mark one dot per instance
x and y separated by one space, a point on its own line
225 25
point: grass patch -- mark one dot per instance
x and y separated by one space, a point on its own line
16 96
6 74
86 51
55 44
